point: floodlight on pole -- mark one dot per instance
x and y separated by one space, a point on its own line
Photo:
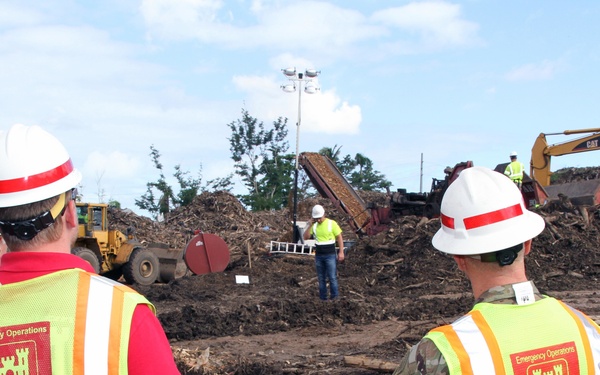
310 88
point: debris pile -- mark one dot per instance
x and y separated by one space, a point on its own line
394 276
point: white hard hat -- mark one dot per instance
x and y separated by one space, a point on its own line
514 153
318 211
482 211
34 166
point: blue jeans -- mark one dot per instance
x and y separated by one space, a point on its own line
327 269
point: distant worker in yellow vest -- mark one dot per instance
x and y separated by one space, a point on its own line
512 328
514 170
326 233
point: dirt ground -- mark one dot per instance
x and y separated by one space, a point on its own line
394 287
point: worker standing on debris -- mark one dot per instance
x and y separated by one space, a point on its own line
50 300
513 328
514 170
326 232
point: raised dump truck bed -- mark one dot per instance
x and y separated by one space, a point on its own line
331 184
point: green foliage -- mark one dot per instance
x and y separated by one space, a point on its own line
114 203
261 160
365 177
149 201
160 198
332 153
357 170
189 187
220 184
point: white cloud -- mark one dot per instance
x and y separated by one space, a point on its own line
323 112
119 164
325 26
102 170
181 19
438 23
315 26
12 15
535 72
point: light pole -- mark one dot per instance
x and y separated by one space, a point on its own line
310 88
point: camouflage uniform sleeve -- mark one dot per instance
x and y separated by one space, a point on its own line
423 359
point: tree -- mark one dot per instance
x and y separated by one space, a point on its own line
332 153
220 184
262 161
364 177
160 198
114 203
357 170
149 201
189 187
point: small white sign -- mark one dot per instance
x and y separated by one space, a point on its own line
524 293
242 279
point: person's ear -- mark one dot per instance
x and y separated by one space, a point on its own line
527 247
71 214
460 262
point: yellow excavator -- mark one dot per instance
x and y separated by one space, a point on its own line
585 192
542 151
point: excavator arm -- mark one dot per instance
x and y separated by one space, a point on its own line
542 152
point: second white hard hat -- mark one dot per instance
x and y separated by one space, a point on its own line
34 166
318 211
482 211
514 153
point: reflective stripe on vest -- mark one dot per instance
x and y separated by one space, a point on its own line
471 346
515 170
77 323
329 230
590 332
103 307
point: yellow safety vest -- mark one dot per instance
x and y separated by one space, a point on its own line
326 232
68 322
514 170
546 337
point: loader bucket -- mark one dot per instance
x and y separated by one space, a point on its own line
171 262
206 253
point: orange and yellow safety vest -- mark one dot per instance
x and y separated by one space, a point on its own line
545 337
67 322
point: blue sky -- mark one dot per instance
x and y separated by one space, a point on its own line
449 80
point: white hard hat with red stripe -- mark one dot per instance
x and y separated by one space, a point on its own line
34 166
482 211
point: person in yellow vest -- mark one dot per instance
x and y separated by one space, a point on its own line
56 315
512 328
326 233
514 170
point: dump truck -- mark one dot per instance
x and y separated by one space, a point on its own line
113 253
370 219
